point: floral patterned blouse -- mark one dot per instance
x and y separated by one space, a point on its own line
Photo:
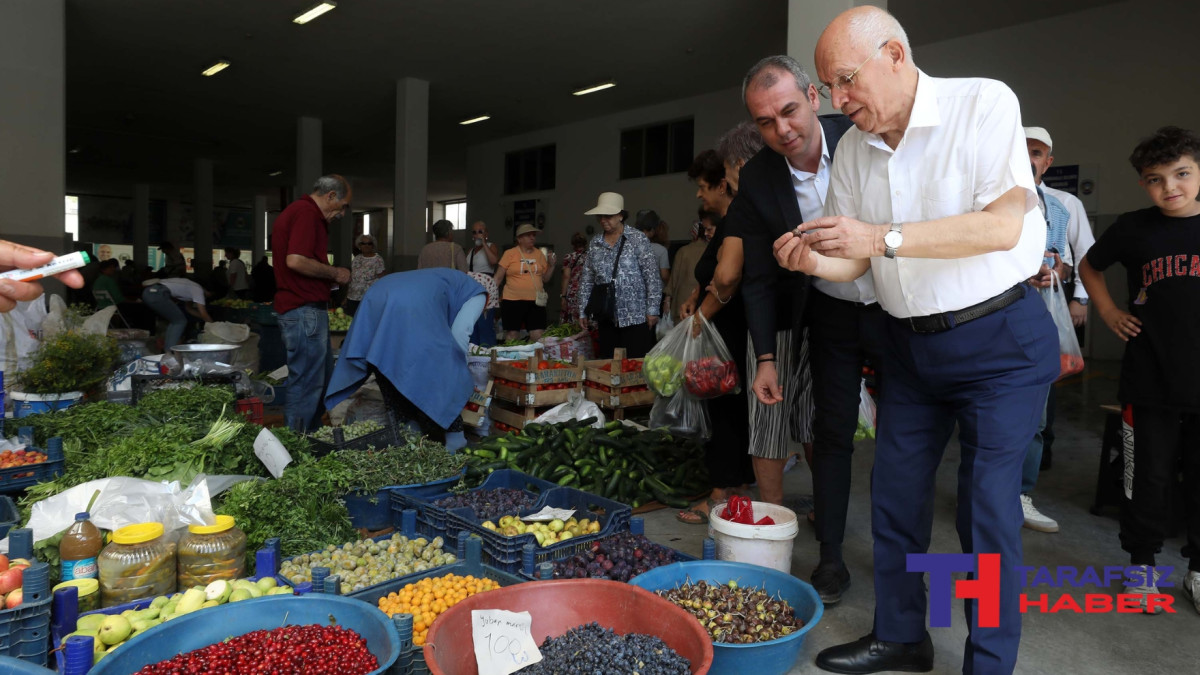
364 271
573 261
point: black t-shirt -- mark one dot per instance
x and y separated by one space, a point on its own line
1161 256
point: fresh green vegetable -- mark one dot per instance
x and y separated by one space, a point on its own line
349 431
68 361
199 406
418 460
300 507
664 374
90 423
562 330
519 342
616 462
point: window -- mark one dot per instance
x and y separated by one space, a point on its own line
529 170
656 149
456 212
73 217
366 226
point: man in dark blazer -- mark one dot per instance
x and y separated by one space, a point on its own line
780 187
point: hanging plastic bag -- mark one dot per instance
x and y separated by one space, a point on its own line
1070 356
665 323
866 413
695 359
682 415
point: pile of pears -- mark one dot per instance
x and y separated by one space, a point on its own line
110 631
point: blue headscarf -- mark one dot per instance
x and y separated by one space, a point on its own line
402 328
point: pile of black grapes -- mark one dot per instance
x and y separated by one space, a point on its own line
490 504
592 650
618 557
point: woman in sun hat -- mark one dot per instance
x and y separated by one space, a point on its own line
636 286
523 272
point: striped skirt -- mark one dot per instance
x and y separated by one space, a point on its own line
774 427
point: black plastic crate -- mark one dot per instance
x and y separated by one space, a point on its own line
434 520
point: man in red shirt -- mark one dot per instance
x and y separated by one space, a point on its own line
300 245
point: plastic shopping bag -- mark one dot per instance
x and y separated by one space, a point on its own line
682 415
866 413
1070 356
665 323
701 365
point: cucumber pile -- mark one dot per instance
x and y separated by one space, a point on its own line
615 462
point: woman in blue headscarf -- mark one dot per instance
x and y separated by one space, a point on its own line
411 331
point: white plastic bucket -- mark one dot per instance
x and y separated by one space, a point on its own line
765 545
29 404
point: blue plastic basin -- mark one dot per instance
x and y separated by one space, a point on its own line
763 658
215 624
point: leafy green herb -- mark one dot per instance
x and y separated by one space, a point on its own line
68 361
419 460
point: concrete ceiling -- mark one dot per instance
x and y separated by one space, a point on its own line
139 111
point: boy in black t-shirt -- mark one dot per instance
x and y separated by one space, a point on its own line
1160 373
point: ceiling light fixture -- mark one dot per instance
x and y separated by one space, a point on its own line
314 12
595 88
473 120
275 173
216 68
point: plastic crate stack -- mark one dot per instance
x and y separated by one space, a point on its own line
25 629
15 479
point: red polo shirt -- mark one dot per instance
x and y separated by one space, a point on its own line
301 229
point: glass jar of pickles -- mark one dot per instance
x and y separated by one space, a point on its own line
139 563
211 552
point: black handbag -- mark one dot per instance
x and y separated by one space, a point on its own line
602 303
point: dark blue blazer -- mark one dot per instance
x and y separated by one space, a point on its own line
763 210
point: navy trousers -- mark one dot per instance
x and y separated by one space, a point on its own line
991 377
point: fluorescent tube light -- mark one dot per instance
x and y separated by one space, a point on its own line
314 12
275 173
215 68
473 120
596 88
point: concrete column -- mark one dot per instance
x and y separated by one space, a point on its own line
260 226
308 154
806 20
32 124
202 212
406 232
341 238
141 224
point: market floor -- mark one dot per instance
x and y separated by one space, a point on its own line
1051 643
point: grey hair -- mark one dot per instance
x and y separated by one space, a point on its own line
740 143
870 29
441 229
363 238
764 74
331 183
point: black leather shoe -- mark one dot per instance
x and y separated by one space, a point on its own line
868 655
831 580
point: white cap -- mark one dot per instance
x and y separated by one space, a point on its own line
1039 134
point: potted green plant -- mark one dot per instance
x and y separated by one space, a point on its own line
62 369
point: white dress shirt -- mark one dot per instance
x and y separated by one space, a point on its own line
1079 230
811 189
964 147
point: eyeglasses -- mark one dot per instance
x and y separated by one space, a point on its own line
844 82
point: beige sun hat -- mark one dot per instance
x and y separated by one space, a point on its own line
1039 134
608 204
527 228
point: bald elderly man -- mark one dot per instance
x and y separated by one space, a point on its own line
932 192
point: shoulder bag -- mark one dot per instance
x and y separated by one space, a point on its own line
602 303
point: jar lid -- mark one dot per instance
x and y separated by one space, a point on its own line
85 586
138 534
223 523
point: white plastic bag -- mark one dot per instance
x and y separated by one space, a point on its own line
1070 356
126 501
576 408
665 323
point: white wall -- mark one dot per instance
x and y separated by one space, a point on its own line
588 154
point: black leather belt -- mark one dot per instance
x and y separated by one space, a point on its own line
937 323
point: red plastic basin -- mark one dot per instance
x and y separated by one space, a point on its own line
560 605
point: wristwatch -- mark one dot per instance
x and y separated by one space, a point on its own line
1082 301
893 240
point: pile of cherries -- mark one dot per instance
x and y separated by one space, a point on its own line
291 650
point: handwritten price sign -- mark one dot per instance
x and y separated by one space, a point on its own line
503 642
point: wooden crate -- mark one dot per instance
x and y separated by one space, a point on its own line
515 416
527 380
615 381
483 399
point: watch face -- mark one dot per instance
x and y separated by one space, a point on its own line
892 239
